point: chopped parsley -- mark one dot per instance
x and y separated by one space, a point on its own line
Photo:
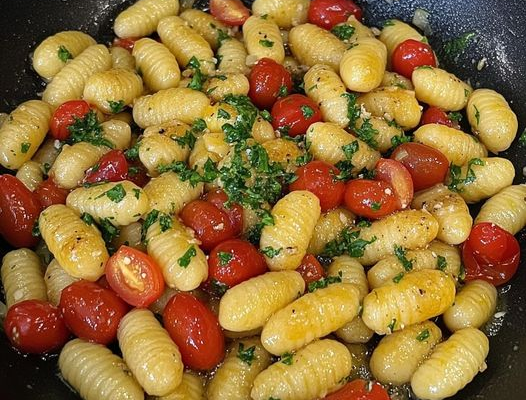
87 218
307 111
150 219
165 222
189 138
283 91
343 32
287 358
266 43
198 77
116 106
453 48
184 172
346 166
87 129
64 54
348 242
108 230
221 113
522 139
266 115
224 258
363 223
454 116
219 288
477 114
132 153
271 252
441 263
136 193
115 194
392 325
455 173
246 355
398 277
24 147
184 261
400 253
388 22
424 335
222 36
324 282
398 140
376 205
35 232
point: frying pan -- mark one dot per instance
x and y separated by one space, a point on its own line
500 37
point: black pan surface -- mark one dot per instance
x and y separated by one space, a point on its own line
501 37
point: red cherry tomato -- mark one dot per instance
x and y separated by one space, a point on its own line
394 173
318 177
427 166
310 269
65 115
19 210
229 12
235 212
135 277
411 54
125 43
137 173
370 199
211 225
111 167
294 114
491 254
35 326
92 312
360 389
48 193
268 81
327 13
234 261
435 115
195 330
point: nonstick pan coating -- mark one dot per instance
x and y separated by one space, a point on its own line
501 38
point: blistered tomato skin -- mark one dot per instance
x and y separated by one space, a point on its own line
35 326
268 81
294 114
19 211
412 54
370 199
327 13
65 115
195 330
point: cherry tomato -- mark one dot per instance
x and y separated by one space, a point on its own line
125 43
427 166
111 167
235 212
65 115
411 54
211 225
394 173
491 254
19 210
370 199
195 330
318 177
435 115
229 12
310 269
327 13
137 173
135 277
294 114
360 389
35 326
234 261
92 312
268 81
48 193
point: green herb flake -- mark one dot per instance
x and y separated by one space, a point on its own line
116 106
376 206
324 282
132 154
218 288
454 116
246 355
87 218
87 129
165 222
470 174
283 91
24 147
264 16
346 167
424 335
223 114
184 261
150 219
441 263
136 193
455 47
271 252
388 22
343 32
198 78
224 258
108 230
477 114
222 36
348 242
424 67
399 139
363 224
392 325
64 54
116 193
307 111
522 139
455 172
287 358
401 254
266 115
398 277
266 43
35 231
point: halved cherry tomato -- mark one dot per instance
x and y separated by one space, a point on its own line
111 167
134 276
360 389
435 115
137 173
370 199
65 115
229 12
211 225
35 326
125 43
310 269
234 261
92 312
219 198
318 177
195 330
268 81
48 193
427 165
394 173
491 254
411 54
19 210
294 114
327 13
